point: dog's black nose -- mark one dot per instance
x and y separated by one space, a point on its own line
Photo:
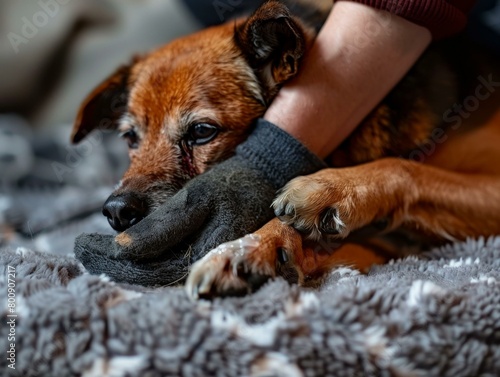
123 211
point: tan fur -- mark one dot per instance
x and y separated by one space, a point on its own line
123 239
458 197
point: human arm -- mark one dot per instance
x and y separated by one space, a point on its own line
346 74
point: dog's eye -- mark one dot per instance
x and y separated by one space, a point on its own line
131 137
202 133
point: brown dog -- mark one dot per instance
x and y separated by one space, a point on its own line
189 104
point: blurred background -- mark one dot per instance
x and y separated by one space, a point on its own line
52 54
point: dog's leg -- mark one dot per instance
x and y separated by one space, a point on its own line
393 192
277 249
333 203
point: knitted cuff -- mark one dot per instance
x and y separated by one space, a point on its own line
443 18
276 155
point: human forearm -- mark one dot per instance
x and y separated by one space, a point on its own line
358 57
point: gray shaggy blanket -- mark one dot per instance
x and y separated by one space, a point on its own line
433 315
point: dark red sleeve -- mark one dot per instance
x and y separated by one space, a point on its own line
442 17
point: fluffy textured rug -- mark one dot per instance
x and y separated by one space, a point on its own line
433 315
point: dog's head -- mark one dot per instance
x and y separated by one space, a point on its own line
189 104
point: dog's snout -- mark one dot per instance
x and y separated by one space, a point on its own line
123 211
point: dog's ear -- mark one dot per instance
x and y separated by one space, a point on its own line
273 43
103 106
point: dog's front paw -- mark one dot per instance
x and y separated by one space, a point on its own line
332 202
313 207
232 269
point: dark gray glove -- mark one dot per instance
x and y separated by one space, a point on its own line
225 203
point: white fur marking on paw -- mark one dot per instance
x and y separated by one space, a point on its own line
239 246
206 272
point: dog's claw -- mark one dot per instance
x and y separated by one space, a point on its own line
200 289
240 269
279 211
330 222
285 212
282 256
